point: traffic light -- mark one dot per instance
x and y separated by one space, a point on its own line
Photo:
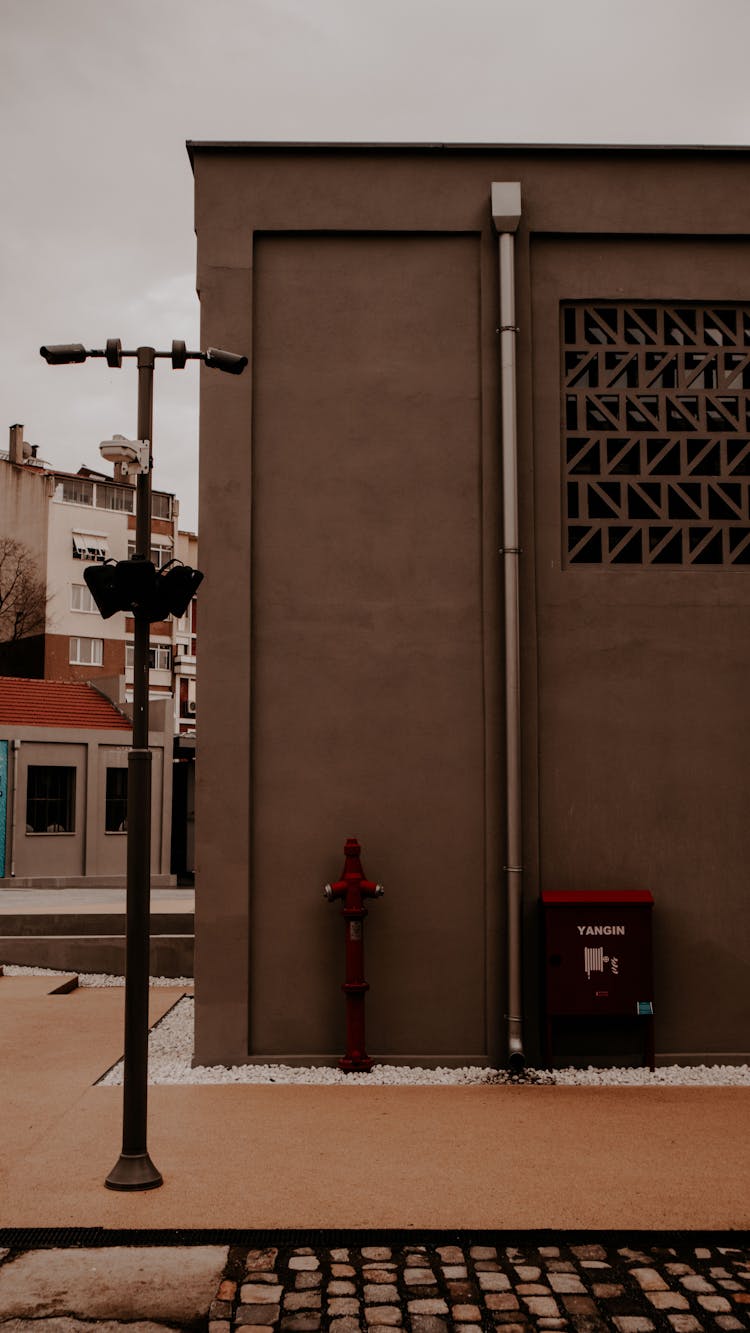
104 586
136 586
176 585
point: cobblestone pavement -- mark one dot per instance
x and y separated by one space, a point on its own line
457 1288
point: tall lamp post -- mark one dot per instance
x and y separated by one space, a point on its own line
135 586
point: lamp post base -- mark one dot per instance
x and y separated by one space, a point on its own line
134 1171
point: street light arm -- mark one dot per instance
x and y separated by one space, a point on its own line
62 354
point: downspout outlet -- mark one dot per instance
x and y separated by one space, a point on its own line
516 1057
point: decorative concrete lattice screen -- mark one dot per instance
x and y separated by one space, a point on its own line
656 434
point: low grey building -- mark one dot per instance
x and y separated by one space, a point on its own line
63 785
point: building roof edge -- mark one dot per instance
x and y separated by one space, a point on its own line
194 146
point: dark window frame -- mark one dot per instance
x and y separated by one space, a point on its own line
116 800
51 799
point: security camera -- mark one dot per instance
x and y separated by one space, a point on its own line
129 456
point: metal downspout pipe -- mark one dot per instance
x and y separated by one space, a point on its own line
506 215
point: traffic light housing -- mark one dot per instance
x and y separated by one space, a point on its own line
174 589
137 587
104 586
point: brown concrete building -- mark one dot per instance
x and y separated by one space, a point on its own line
426 327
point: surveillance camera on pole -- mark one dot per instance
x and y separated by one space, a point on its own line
130 457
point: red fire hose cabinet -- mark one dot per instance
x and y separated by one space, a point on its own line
598 959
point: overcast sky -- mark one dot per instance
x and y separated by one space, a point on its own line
97 100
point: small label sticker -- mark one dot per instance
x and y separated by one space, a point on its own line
355 930
644 1007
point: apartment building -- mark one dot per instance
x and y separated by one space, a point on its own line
68 521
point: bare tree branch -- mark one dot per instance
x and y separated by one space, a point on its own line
23 596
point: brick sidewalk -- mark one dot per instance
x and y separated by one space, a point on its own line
464 1289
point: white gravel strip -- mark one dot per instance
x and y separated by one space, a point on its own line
725 1076
87 978
171 1050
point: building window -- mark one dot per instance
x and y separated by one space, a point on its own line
50 799
86 652
161 505
116 801
89 546
158 555
656 434
114 497
159 656
81 599
75 491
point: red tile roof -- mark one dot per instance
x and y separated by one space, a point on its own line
57 703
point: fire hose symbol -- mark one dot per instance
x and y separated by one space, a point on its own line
594 961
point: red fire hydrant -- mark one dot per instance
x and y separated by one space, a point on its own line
353 888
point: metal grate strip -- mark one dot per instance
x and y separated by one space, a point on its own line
33 1238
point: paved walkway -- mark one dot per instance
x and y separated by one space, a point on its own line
282 1156
448 1285
485 1167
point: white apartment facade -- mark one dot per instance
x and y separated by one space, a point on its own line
70 521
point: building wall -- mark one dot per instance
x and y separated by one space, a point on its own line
87 854
355 688
111 847
64 568
61 855
65 572
642 667
34 509
24 499
185 647
24 494
57 664
367 624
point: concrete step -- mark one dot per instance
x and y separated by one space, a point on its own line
95 941
74 922
169 955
